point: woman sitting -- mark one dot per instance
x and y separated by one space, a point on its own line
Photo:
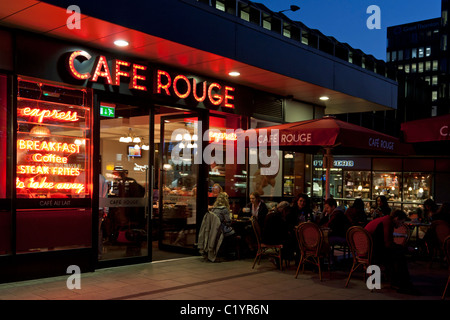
221 208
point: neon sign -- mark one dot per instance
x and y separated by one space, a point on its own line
102 70
44 185
34 145
222 136
213 91
180 86
50 114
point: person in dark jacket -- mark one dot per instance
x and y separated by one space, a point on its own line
257 208
356 213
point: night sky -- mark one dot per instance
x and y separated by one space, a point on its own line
346 20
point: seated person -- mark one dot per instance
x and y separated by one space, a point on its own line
336 220
356 213
301 211
276 230
221 208
256 208
388 253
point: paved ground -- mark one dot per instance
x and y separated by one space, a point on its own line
193 278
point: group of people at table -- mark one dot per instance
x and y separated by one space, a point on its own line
278 226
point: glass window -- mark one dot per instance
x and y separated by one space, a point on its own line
286 33
407 54
357 184
388 56
416 188
413 67
245 16
53 165
420 67
414 53
434 80
294 164
427 65
220 5
407 68
444 42
421 52
53 141
394 55
400 55
428 51
386 184
428 79
435 65
434 95
267 25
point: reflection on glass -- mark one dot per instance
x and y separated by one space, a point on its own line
124 164
357 184
386 184
179 182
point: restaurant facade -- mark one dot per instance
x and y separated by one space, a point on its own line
88 175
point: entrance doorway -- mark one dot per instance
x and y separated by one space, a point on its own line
176 177
147 202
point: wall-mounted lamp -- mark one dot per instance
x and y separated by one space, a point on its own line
293 8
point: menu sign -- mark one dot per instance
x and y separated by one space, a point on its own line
51 149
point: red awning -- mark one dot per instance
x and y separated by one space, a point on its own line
329 132
426 130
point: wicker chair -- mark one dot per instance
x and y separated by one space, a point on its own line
402 235
440 230
361 246
447 254
268 250
311 243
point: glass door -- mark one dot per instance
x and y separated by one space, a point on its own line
178 179
125 177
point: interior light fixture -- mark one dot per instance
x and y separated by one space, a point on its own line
234 74
324 98
121 43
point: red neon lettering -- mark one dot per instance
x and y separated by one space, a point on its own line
194 91
222 136
136 77
166 86
43 184
71 64
228 96
102 65
215 99
188 91
117 72
50 114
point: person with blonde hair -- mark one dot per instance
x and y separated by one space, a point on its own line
221 208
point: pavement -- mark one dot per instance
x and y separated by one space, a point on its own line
193 278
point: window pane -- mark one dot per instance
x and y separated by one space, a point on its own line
3 136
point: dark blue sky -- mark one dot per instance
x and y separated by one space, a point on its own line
345 20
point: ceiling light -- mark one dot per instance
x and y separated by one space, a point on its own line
121 43
234 74
324 98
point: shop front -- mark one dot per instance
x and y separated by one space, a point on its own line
405 181
108 159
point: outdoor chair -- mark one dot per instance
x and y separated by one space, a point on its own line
267 250
310 240
361 246
402 235
440 230
447 255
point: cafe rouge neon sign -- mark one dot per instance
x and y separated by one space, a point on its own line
164 84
